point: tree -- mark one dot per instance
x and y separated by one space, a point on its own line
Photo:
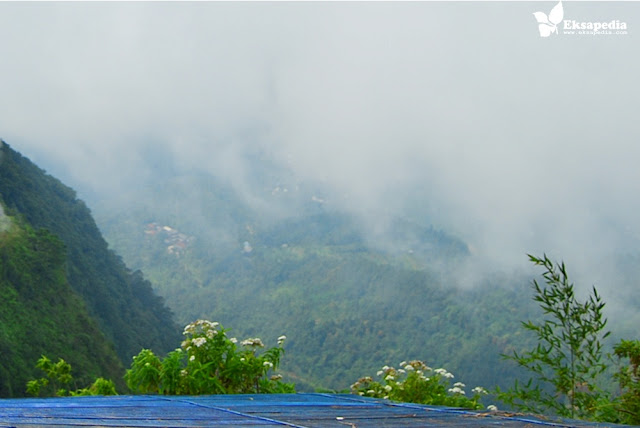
568 357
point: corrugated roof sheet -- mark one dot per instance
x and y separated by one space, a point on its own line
289 410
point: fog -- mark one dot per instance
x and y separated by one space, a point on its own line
457 115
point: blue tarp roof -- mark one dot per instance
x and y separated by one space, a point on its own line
288 410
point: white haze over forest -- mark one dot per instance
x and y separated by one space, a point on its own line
454 114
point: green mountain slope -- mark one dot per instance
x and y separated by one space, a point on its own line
41 314
122 302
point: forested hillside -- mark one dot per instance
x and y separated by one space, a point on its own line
41 314
348 301
122 302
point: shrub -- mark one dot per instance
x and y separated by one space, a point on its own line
58 378
209 362
415 382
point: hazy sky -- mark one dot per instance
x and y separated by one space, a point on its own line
515 142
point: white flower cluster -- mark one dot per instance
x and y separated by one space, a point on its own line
479 390
252 342
203 330
201 326
199 341
417 366
281 340
359 382
456 390
389 373
414 365
444 373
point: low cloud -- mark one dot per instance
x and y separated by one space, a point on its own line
456 115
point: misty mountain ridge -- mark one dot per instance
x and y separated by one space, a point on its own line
266 253
271 254
347 293
264 193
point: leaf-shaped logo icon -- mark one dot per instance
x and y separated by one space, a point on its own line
541 17
548 24
557 14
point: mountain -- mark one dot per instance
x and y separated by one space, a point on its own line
85 276
349 297
268 254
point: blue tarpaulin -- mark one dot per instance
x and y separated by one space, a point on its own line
284 410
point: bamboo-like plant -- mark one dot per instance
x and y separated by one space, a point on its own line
568 358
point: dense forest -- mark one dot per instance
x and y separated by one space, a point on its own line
276 255
347 304
41 313
65 293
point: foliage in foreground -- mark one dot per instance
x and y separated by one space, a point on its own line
568 359
628 404
209 362
415 382
565 366
58 379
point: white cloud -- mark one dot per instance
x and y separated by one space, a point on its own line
516 143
